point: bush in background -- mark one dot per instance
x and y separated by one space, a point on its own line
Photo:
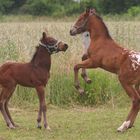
134 11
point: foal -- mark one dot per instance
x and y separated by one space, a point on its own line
33 74
105 53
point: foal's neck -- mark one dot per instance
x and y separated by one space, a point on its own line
97 28
42 58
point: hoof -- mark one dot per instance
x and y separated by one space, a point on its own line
89 81
39 127
86 79
11 126
81 91
48 128
124 126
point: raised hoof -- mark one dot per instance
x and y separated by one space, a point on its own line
89 81
121 130
86 79
81 91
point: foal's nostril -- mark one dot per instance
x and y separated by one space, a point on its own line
70 32
66 46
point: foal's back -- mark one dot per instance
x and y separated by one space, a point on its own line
24 74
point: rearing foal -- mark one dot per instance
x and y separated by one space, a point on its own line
33 74
108 55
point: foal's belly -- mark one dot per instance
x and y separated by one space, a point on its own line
33 82
110 64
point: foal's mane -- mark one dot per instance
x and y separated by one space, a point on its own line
33 58
101 20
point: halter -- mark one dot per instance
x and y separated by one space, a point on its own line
51 48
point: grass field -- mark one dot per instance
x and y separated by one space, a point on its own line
19 39
17 43
80 123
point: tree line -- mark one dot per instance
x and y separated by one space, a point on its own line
67 7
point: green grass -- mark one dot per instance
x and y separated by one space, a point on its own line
18 42
79 123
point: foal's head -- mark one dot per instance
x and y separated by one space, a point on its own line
51 44
81 24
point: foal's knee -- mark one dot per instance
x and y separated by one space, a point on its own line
75 68
136 103
44 108
84 57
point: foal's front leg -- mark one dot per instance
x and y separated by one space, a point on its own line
42 107
84 73
84 64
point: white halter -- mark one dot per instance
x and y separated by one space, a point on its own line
51 48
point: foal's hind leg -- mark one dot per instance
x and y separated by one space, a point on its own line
42 107
6 106
3 97
135 97
84 73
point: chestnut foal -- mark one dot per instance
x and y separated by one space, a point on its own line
105 53
33 74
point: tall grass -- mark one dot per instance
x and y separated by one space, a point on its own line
18 41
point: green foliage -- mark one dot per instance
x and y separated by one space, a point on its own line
5 5
65 7
103 87
134 11
61 89
79 123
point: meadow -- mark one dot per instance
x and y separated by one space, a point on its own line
18 41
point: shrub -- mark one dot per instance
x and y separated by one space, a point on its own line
134 11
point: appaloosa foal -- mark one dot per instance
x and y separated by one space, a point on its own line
105 53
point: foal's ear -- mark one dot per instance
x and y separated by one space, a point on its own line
90 11
44 35
87 10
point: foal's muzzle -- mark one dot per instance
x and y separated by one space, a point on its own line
65 47
73 31
76 30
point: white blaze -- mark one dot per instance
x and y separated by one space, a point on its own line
86 41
